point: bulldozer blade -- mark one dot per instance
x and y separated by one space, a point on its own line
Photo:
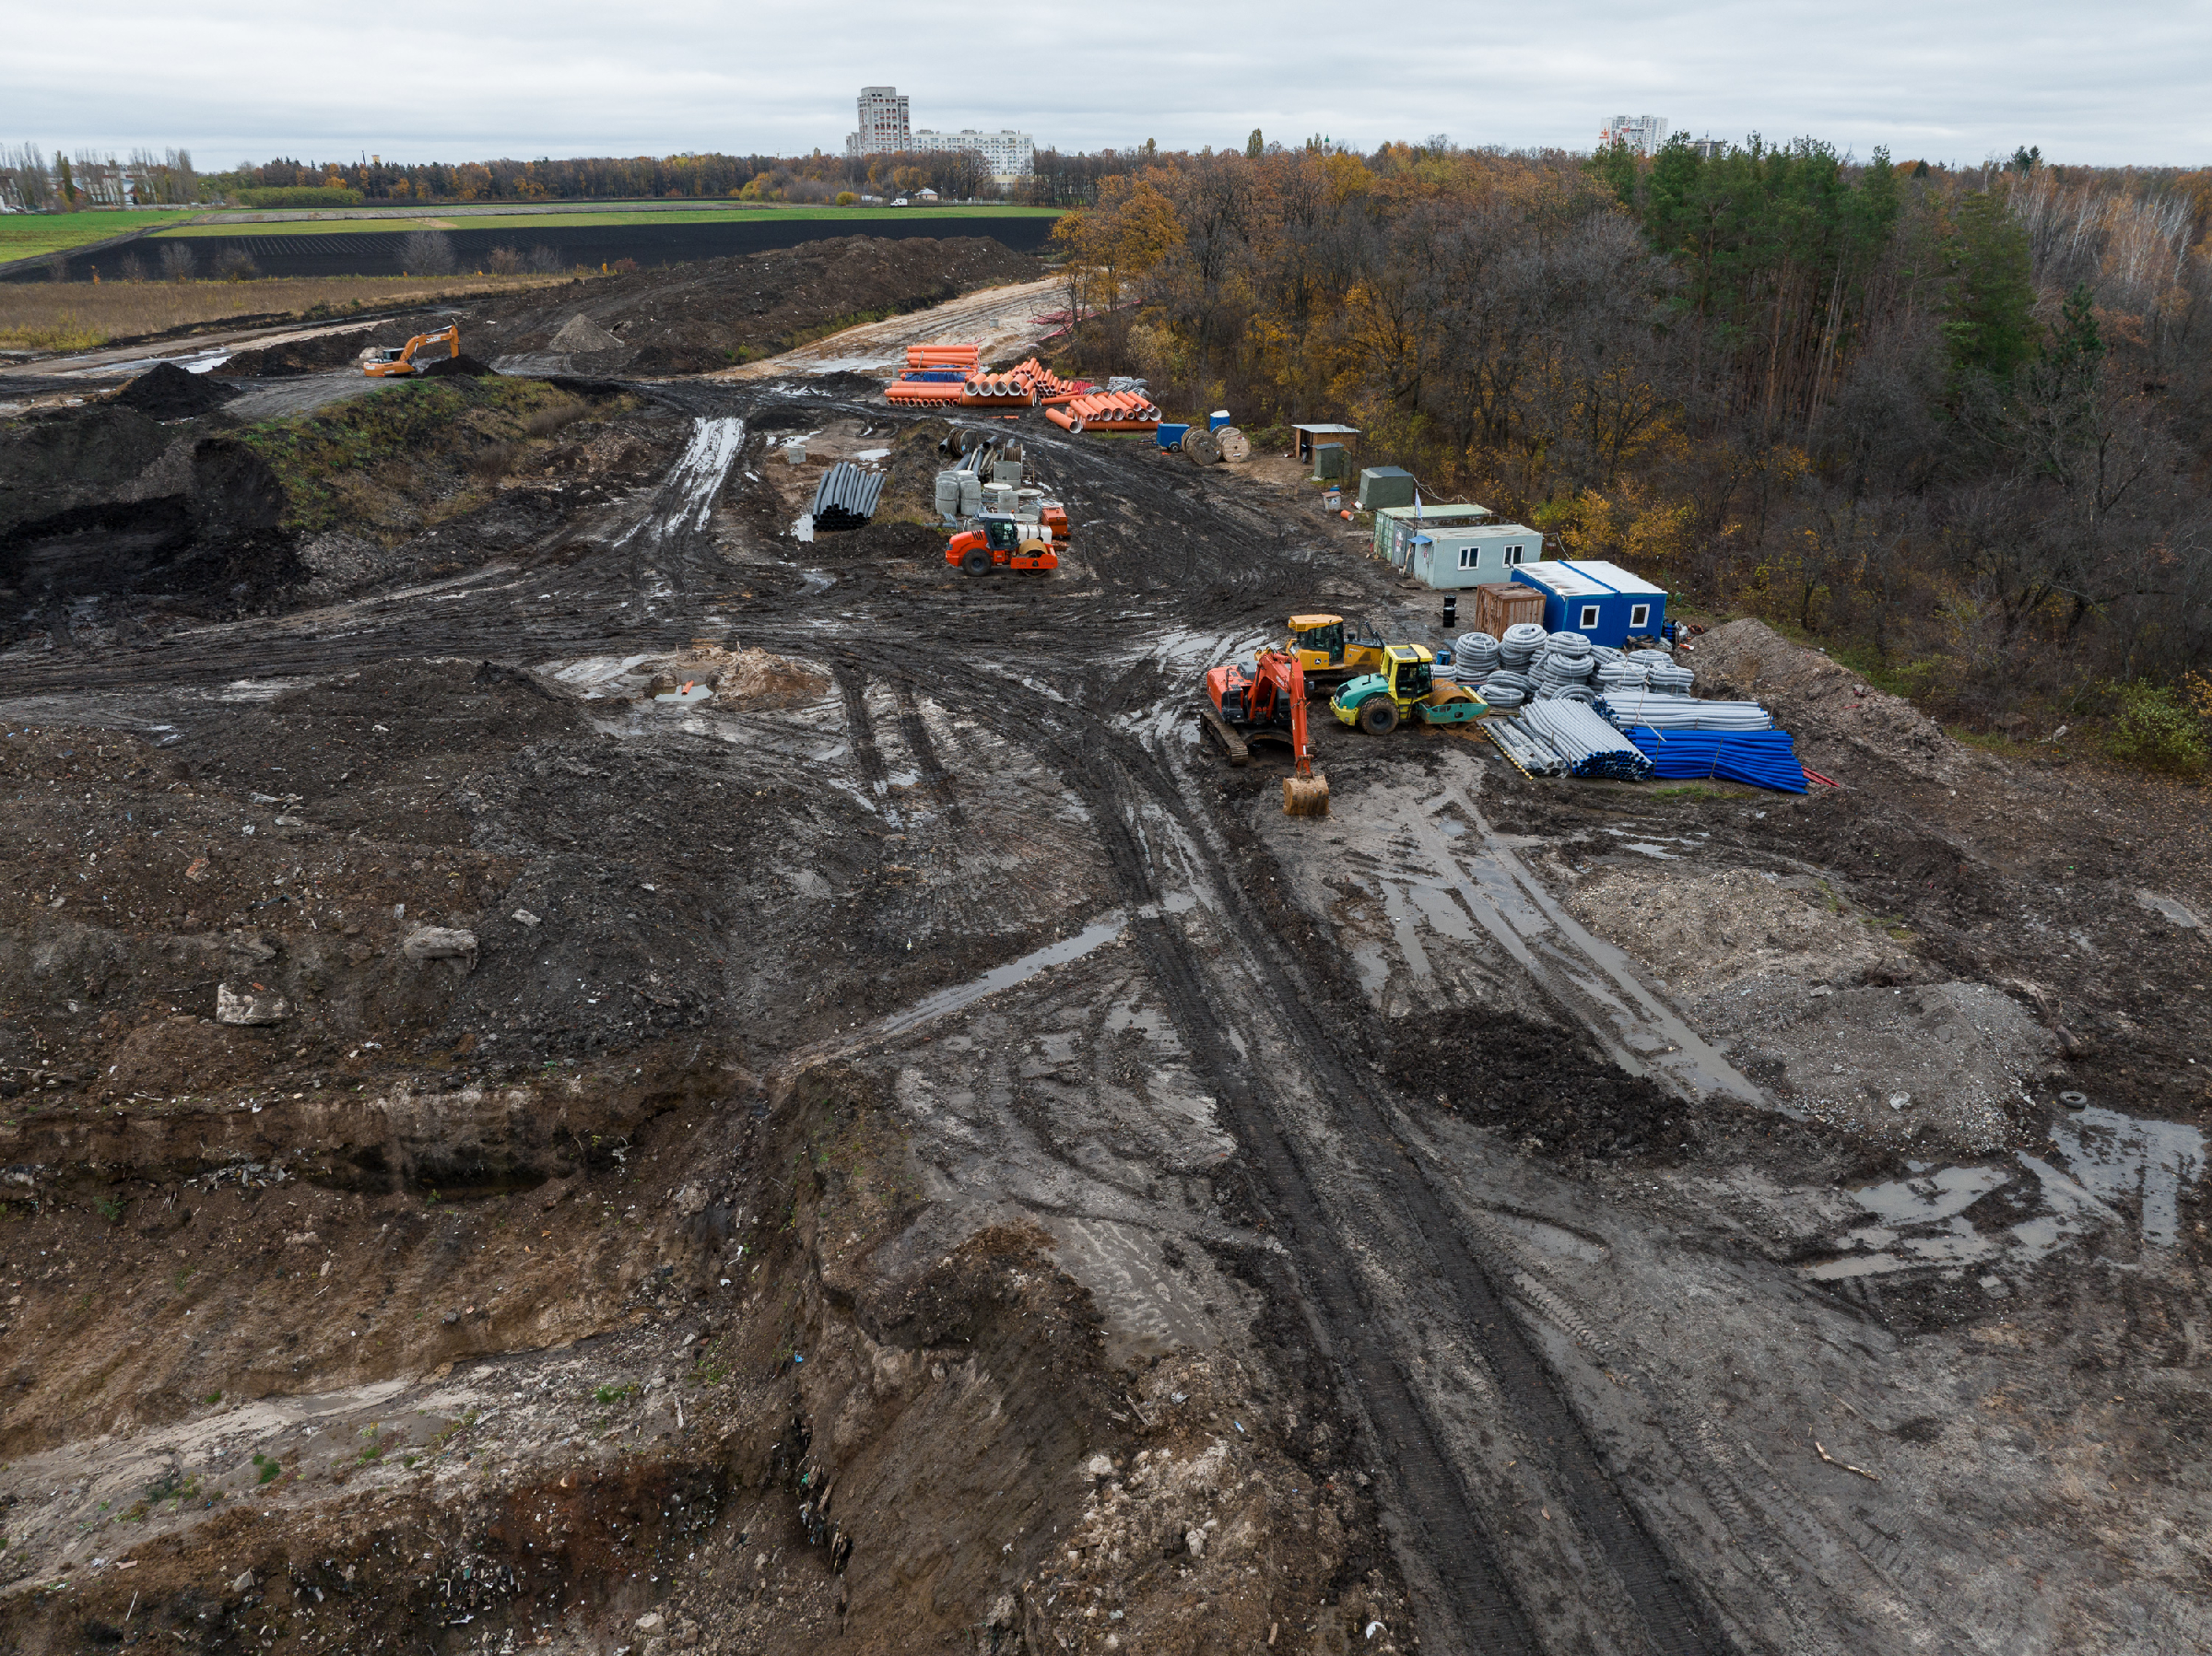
1306 795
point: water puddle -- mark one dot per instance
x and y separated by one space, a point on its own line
2110 1159
802 527
685 498
814 582
690 693
1096 935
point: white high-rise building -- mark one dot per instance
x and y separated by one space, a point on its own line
1010 155
884 130
1643 134
883 122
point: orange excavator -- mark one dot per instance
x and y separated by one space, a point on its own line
1265 701
403 359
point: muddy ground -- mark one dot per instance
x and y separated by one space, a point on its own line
641 1082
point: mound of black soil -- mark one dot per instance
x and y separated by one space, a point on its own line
1539 1084
167 392
464 364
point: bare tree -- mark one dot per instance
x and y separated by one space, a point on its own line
427 252
177 262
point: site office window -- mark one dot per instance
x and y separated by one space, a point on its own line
1639 616
1469 557
1513 555
1589 618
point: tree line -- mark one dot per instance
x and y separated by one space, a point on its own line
1955 419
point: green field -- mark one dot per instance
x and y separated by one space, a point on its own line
26 235
530 221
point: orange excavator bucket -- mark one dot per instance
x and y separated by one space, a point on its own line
1305 792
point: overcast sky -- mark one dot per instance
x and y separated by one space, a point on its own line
1948 80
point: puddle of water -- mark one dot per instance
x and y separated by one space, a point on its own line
2115 1154
1096 935
696 693
814 580
872 454
801 528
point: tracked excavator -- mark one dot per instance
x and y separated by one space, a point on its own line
408 358
1265 701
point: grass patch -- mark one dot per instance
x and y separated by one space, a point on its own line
379 463
26 235
610 1395
370 221
82 316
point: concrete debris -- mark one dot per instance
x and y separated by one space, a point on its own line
248 1007
440 943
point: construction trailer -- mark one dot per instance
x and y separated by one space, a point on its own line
1396 525
1601 600
1382 486
1455 560
1311 437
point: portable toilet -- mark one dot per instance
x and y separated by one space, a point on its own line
1601 600
1385 486
1467 556
1331 463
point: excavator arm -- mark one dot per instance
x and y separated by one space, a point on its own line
1304 795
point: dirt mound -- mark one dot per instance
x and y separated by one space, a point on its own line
318 355
166 392
1834 713
1544 1088
462 366
689 319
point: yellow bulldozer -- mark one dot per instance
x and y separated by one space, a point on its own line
1329 652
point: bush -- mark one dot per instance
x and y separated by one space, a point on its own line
177 260
299 195
845 198
235 264
2159 731
504 261
427 252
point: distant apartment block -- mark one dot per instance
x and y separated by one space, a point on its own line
1010 155
883 122
1708 149
1643 134
884 130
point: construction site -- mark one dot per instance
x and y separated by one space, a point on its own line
658 997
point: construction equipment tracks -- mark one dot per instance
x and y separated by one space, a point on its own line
1380 1254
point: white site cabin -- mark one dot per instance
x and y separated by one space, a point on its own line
1472 556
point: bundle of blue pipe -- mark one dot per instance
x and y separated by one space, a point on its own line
1760 758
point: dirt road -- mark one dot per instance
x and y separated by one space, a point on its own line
1002 320
913 1150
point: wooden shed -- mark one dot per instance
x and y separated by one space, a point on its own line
1504 603
1348 436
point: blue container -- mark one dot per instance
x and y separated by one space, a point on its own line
1170 437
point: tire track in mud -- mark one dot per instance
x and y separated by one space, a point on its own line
914 729
1116 776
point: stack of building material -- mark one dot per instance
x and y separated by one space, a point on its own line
1476 653
928 385
1563 664
1504 688
1026 384
1529 755
1106 411
1760 758
1614 676
1518 644
1587 745
1664 711
846 497
964 356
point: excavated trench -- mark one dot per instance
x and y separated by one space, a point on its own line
907 1157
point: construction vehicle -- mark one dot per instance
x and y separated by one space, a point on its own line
1405 688
1003 541
404 359
1330 654
1266 702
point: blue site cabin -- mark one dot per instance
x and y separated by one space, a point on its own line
1601 600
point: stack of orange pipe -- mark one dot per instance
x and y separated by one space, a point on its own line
944 356
946 391
1106 411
